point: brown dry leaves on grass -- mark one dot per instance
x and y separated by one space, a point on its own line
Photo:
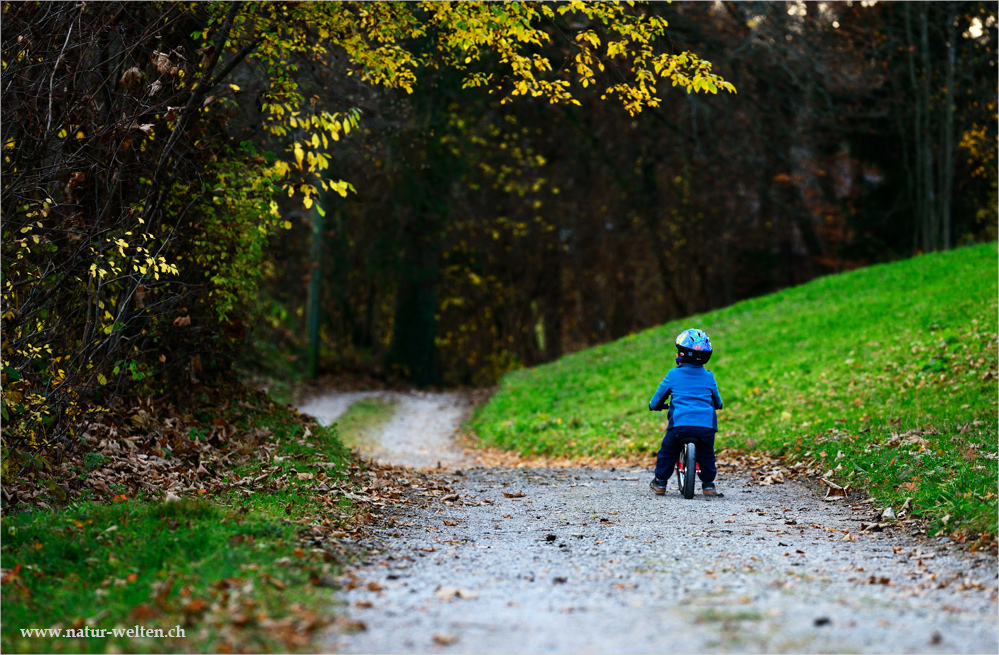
231 615
149 447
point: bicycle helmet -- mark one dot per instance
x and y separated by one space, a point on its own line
693 346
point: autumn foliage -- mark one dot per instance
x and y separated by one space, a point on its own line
150 150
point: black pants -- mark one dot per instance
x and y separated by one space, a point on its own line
703 438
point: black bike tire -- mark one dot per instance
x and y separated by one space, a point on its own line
681 471
689 463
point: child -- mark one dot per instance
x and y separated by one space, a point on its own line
692 414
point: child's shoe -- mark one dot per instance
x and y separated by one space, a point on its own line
709 490
658 486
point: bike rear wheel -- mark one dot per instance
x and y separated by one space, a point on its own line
689 457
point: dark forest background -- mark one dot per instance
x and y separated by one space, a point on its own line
485 237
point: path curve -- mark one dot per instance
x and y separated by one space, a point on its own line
420 433
587 561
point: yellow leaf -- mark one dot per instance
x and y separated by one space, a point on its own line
315 140
299 154
234 87
286 225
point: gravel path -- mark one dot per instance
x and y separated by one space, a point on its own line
419 434
588 560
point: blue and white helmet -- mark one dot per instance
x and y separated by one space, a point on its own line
693 346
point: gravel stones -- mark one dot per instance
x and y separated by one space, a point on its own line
588 560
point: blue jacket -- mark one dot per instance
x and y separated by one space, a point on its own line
695 397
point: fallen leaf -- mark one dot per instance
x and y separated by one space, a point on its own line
349 625
143 612
162 589
834 491
444 638
519 494
450 593
196 606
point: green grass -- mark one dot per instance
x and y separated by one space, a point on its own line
232 569
826 372
359 424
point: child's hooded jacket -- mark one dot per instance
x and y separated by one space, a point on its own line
695 397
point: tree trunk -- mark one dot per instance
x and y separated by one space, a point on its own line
670 286
552 302
947 133
922 184
413 351
930 202
315 292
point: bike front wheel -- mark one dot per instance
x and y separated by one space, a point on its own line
689 457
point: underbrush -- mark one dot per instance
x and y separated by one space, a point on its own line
882 378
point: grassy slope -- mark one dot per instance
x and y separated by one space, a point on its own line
831 369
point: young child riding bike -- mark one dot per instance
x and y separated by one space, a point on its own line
692 415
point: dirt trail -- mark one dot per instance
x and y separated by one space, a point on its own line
587 560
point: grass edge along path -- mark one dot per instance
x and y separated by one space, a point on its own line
883 379
241 568
359 425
